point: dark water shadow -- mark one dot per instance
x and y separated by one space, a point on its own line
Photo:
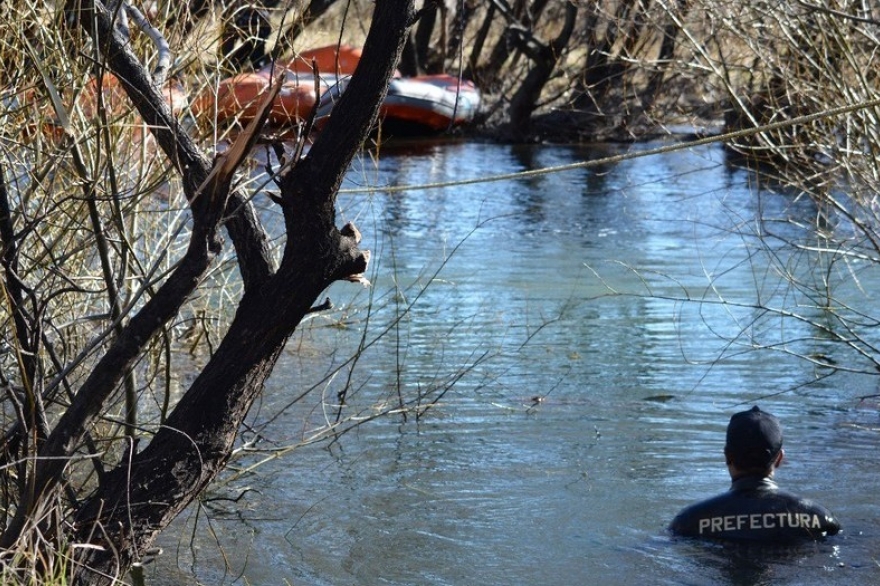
697 562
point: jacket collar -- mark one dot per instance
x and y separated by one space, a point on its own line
753 483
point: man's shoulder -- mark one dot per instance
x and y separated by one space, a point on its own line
758 515
687 519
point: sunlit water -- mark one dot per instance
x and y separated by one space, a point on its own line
624 299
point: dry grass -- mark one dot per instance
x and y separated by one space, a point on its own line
79 167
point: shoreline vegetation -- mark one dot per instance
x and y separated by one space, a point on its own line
619 71
129 237
623 71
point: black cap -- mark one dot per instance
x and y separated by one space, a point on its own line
754 438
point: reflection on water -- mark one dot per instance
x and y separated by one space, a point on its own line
609 294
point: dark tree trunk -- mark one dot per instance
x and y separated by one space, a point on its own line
409 59
72 427
544 58
428 53
422 37
135 501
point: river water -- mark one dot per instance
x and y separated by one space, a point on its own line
584 337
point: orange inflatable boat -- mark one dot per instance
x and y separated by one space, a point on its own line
86 104
330 60
414 105
429 102
426 104
237 98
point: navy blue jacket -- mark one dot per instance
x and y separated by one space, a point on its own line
754 509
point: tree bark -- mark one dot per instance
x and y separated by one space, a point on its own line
143 494
207 209
544 57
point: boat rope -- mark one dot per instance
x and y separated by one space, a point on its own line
678 146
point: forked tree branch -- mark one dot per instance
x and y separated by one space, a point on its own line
144 493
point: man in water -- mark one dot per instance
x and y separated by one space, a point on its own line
754 509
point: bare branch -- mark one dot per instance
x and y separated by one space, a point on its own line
164 58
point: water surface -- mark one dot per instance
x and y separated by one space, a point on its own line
585 335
